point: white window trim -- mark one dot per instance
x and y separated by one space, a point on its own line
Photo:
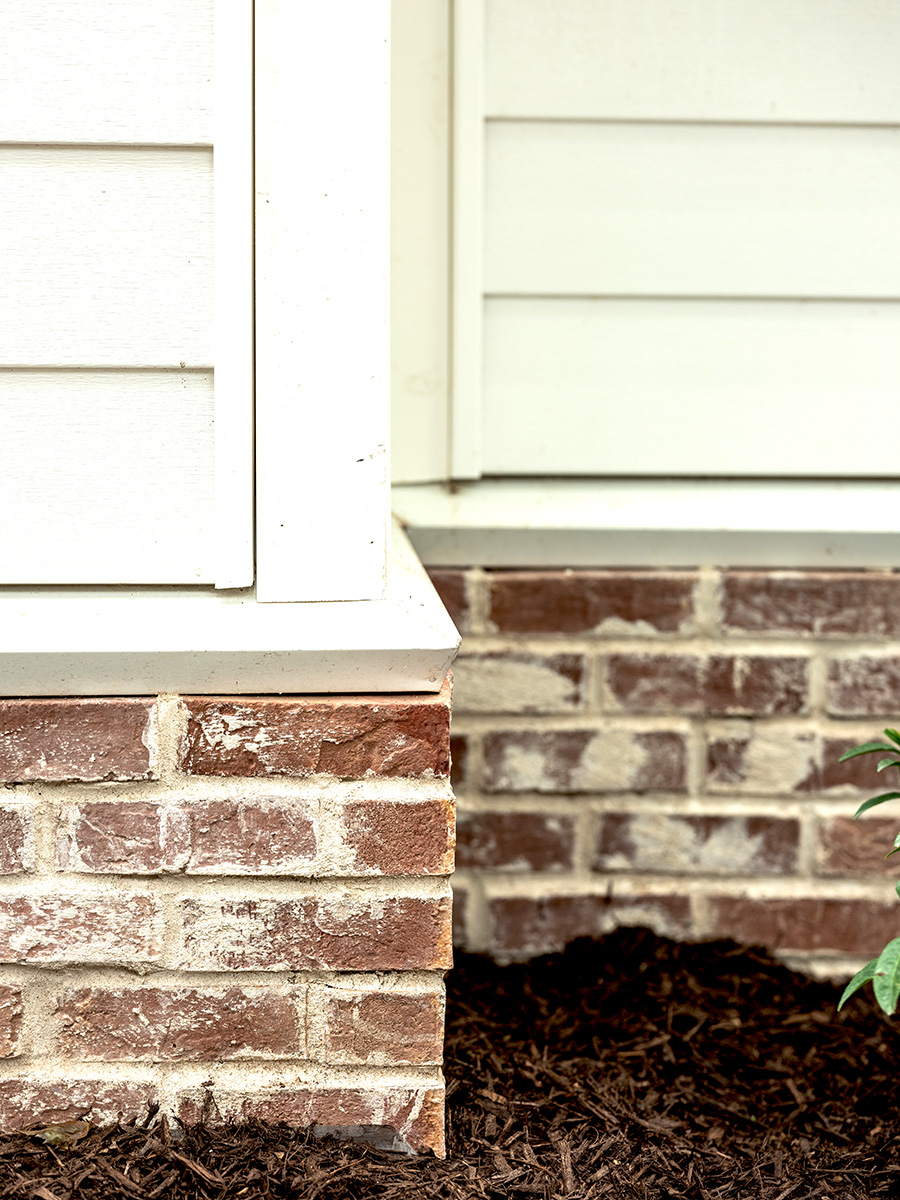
376 624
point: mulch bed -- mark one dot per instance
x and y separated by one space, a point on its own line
627 1067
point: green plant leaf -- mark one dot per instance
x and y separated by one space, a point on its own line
893 735
888 762
867 804
886 980
868 748
859 979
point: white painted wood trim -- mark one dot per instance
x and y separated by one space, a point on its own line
233 293
420 239
654 523
468 237
322 298
116 641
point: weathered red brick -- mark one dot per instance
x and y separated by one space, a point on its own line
519 682
347 931
10 1021
453 589
584 760
401 837
517 841
253 837
459 747
164 1024
125 837
848 847
125 928
53 741
763 760
460 914
522 926
136 837
30 1101
845 926
673 842
718 684
823 603
415 1115
376 1027
16 839
856 773
588 601
864 686
346 736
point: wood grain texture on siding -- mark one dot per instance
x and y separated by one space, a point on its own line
691 387
106 71
106 257
721 60
658 209
107 476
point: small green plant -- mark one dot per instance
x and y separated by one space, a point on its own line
884 969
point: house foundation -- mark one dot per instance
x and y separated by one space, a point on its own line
662 748
236 907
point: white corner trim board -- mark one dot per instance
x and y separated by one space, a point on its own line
119 641
653 523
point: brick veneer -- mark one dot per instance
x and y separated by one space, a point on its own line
662 747
236 902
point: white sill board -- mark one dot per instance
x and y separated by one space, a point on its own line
653 523
80 641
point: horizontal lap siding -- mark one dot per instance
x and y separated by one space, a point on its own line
631 382
729 61
107 309
689 229
126 432
107 71
111 253
671 210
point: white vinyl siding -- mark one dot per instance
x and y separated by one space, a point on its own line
108 257
661 209
108 417
812 61
107 71
676 247
695 387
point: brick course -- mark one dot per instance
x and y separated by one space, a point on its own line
344 931
717 684
359 1024
89 741
178 1024
349 737
552 602
821 603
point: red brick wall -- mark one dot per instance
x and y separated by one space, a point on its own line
662 747
240 898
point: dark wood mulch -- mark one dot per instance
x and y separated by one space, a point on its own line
628 1067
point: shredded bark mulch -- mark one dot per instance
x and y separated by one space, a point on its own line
627 1067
